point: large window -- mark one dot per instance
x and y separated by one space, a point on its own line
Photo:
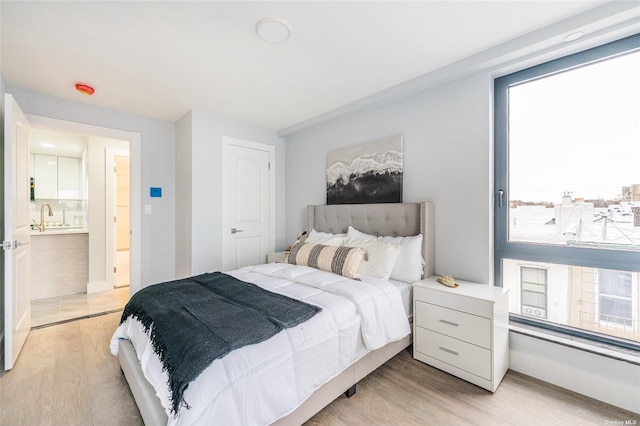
567 176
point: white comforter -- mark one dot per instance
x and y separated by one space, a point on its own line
260 383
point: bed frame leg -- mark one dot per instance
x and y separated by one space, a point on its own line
350 392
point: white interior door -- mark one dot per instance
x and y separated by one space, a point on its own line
118 226
17 232
247 201
123 222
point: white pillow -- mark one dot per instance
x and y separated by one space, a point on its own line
410 263
325 238
354 233
380 259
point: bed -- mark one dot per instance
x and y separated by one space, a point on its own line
392 220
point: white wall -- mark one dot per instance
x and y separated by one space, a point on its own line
447 160
606 379
157 149
184 229
202 159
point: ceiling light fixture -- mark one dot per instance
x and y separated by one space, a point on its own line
573 36
273 30
85 89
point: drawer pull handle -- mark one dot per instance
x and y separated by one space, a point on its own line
449 351
449 322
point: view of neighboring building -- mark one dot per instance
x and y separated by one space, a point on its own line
601 300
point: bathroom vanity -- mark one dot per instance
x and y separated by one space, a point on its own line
59 262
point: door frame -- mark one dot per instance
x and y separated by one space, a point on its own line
134 139
226 142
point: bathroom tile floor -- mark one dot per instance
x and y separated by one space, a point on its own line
64 308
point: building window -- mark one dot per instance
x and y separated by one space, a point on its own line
533 292
615 297
567 192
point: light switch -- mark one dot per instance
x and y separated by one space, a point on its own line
148 209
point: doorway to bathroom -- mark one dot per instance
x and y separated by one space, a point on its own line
81 225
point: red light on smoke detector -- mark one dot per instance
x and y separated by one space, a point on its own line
85 89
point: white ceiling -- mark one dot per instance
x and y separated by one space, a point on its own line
162 59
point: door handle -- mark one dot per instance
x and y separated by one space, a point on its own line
10 245
235 231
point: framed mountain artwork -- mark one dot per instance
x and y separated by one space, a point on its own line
367 173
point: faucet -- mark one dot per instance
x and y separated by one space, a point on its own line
40 225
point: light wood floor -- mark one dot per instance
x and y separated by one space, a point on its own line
66 376
71 306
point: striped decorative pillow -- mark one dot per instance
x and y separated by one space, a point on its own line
339 260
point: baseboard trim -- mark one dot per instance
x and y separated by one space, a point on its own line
98 286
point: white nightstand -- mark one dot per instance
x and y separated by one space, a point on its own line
278 256
463 331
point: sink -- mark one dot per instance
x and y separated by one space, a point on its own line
60 230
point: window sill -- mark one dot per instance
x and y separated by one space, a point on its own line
621 354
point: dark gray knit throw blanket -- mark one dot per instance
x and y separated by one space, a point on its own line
194 321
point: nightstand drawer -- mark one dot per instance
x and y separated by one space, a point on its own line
465 356
462 326
451 298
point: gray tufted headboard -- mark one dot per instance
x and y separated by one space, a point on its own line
386 219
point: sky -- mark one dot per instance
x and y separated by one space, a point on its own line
577 131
